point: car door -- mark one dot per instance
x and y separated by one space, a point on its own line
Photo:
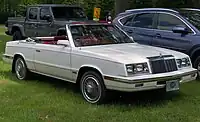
53 60
140 27
31 22
166 38
44 27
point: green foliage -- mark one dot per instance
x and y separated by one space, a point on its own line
105 5
4 16
9 6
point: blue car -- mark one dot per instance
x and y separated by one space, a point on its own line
176 29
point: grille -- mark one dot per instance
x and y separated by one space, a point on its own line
163 65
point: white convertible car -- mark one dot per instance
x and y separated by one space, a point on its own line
99 57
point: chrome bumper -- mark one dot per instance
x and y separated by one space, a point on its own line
148 82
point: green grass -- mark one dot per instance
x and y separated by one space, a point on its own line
44 99
2 30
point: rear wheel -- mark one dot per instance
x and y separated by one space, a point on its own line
20 69
93 88
17 35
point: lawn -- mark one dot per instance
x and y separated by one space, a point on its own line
2 30
44 99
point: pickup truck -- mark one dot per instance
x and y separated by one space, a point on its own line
43 20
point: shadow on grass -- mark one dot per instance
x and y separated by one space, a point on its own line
147 98
56 83
144 98
42 79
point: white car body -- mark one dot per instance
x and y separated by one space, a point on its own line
65 62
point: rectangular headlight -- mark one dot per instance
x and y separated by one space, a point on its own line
137 68
183 62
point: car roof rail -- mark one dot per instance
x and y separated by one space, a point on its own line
152 9
192 9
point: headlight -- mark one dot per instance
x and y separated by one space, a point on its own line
137 68
183 62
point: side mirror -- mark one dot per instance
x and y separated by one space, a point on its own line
131 38
180 29
63 42
48 18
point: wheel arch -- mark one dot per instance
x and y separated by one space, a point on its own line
61 31
86 68
194 52
18 27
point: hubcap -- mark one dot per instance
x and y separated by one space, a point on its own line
20 69
91 89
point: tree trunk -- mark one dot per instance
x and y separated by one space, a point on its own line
121 6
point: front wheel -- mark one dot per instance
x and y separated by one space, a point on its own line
93 88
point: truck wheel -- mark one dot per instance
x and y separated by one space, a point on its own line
93 88
17 35
197 66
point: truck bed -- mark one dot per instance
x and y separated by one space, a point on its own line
14 20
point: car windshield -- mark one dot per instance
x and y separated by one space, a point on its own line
192 16
90 35
66 13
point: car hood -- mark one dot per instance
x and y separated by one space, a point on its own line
129 52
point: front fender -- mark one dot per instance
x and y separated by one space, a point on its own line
193 50
77 73
92 66
18 54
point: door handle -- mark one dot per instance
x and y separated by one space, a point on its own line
158 35
37 50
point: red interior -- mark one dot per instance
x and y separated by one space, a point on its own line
53 40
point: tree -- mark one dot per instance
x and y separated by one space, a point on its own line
121 5
115 6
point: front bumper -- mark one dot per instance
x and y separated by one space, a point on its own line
149 82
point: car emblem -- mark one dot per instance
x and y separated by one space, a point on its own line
161 56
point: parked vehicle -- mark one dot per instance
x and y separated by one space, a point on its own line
100 57
43 20
172 29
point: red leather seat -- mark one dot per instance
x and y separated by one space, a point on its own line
53 40
49 42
